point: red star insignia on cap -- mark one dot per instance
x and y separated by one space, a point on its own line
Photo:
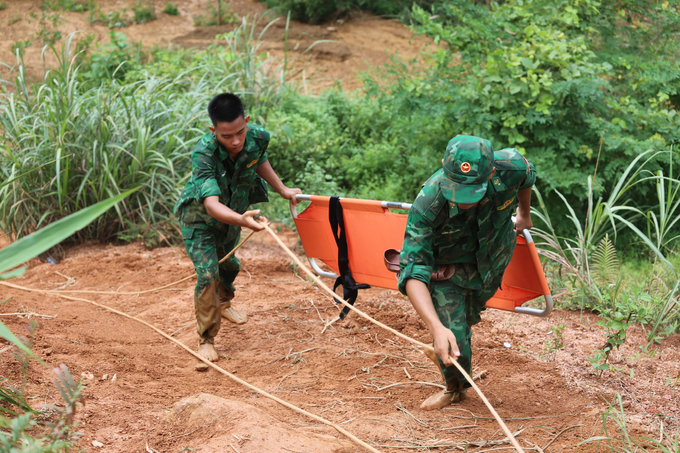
465 167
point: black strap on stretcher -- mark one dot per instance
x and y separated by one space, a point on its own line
349 286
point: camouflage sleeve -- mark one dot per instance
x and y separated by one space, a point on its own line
416 259
530 180
520 173
203 174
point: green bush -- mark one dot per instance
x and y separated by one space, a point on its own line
226 13
69 5
143 13
171 9
314 11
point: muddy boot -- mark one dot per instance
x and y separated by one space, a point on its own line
233 315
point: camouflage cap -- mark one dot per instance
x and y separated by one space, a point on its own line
468 163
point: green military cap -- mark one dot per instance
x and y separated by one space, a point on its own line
468 163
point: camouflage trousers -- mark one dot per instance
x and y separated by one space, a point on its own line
458 309
215 286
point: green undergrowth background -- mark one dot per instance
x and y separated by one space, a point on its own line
587 90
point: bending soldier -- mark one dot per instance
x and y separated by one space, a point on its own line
462 219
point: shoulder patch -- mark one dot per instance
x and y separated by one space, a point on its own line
251 164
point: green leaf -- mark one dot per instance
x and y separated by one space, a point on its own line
9 336
13 274
36 243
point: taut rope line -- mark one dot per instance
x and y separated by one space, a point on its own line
427 347
318 281
351 436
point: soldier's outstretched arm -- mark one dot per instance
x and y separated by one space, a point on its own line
445 345
523 221
266 172
222 213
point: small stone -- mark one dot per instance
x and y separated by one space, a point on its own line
331 29
87 376
96 443
105 377
114 379
507 345
202 367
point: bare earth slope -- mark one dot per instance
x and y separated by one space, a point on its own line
341 374
362 41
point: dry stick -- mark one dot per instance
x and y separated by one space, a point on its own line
129 293
226 373
318 281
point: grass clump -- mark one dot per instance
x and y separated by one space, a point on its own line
171 9
143 13
225 15
3 5
79 6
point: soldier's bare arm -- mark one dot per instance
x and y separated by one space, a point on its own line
445 345
266 172
523 221
220 212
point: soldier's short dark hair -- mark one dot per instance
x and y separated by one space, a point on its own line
225 107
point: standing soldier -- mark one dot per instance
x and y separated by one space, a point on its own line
229 165
462 219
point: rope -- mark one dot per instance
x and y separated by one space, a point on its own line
351 436
427 347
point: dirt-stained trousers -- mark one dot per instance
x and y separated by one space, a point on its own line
458 309
215 286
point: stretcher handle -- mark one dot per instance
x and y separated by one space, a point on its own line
384 204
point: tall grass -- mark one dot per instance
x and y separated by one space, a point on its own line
653 225
79 142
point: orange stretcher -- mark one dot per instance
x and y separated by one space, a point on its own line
371 228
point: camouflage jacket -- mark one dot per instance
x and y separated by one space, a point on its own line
214 172
480 240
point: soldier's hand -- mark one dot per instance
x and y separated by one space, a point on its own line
445 346
248 220
523 222
289 194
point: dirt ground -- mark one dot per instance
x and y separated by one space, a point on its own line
159 402
340 51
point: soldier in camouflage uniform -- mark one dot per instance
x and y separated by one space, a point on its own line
462 217
229 167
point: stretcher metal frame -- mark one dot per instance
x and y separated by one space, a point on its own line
520 287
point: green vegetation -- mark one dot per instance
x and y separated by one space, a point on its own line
225 14
144 13
69 5
22 428
314 11
3 5
171 9
616 435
